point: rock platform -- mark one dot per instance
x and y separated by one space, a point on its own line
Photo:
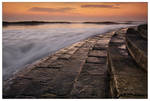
127 78
98 67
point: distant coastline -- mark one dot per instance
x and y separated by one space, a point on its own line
108 22
6 23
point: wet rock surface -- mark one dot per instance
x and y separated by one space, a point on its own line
98 67
58 75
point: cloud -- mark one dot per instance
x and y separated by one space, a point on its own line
42 9
100 6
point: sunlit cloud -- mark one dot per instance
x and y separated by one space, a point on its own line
42 9
100 6
75 11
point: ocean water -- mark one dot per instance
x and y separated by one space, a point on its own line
22 45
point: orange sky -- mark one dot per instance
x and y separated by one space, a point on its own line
51 11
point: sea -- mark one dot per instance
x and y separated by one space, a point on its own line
24 44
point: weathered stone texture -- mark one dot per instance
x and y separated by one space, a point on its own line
142 29
126 77
92 82
91 68
137 47
55 75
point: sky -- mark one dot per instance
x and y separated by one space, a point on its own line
74 11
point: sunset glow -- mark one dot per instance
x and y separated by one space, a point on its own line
51 11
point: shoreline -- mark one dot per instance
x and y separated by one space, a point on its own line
78 70
63 64
33 64
6 23
53 53
36 62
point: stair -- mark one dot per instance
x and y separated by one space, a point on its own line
128 79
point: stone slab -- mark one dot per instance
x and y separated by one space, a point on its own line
89 86
96 60
98 53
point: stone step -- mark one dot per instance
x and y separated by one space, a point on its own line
142 29
137 47
92 82
127 80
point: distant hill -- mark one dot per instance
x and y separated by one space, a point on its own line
30 23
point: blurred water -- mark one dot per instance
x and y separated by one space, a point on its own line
23 45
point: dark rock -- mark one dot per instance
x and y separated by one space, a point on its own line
137 47
143 30
127 79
